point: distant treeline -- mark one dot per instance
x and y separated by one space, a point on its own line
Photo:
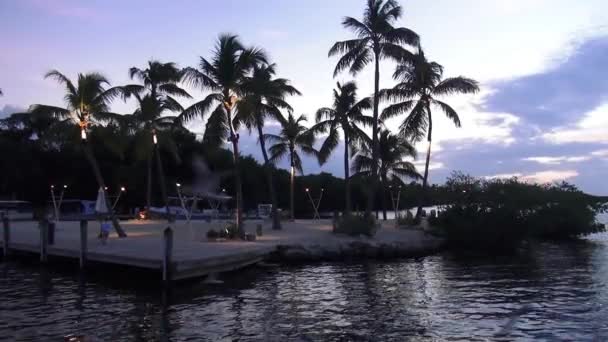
30 165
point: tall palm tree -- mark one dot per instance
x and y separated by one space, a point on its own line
392 166
160 85
420 85
264 99
224 74
87 102
376 39
1 93
293 136
345 113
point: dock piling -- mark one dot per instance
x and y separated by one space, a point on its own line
83 242
44 240
6 235
167 253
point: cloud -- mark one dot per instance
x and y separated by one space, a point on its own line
593 127
65 8
547 176
557 160
557 96
8 110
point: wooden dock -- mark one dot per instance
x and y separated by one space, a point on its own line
187 253
192 256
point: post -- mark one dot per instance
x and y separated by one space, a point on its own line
51 232
43 240
6 235
167 253
83 243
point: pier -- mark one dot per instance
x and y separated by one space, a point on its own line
188 254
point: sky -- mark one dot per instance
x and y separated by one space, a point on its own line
541 114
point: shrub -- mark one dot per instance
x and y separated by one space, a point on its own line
212 234
407 220
490 214
355 225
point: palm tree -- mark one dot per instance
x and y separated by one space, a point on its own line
293 136
392 166
265 98
1 93
87 102
420 84
377 39
160 82
345 114
224 75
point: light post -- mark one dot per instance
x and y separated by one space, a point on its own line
315 203
395 201
122 189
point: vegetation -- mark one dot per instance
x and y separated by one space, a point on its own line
265 97
293 136
376 39
497 213
392 166
345 114
356 225
86 101
420 85
225 75
42 146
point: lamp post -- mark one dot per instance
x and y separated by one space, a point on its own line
122 189
315 203
54 202
395 200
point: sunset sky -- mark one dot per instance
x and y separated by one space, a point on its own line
542 113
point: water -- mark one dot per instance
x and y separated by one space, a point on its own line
546 291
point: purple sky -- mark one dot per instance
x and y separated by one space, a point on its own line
542 113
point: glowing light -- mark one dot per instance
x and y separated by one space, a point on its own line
122 188
154 139
306 189
105 188
223 190
52 187
178 185
83 134
65 186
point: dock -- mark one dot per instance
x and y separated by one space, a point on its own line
191 255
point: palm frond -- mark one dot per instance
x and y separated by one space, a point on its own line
456 85
449 112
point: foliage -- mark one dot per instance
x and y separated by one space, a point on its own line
355 225
212 234
500 213
407 220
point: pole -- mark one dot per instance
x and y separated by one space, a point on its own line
6 235
167 254
58 209
161 177
83 243
54 202
43 240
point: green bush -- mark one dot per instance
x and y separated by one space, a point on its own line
490 214
407 220
355 225
212 234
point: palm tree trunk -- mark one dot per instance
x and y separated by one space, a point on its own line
161 180
149 186
423 194
237 172
383 192
347 204
373 182
88 152
276 222
291 186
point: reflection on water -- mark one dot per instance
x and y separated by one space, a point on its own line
546 291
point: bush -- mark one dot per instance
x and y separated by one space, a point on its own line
212 234
355 225
408 220
490 214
